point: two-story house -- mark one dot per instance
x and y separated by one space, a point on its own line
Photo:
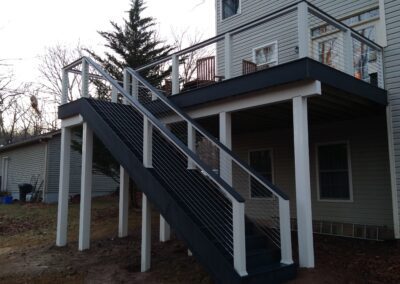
289 125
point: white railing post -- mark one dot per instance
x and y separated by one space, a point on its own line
65 87
228 56
286 239
175 74
379 60
225 136
191 145
348 53
239 238
85 79
126 83
114 95
165 230
147 143
303 30
146 235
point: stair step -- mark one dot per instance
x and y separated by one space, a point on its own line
262 257
272 273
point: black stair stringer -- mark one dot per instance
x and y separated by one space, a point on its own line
204 249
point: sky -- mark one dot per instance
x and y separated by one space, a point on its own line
27 27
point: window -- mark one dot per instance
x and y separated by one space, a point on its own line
328 52
230 8
267 55
334 172
261 161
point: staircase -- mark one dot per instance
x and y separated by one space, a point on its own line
198 203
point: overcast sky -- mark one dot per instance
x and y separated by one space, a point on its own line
28 26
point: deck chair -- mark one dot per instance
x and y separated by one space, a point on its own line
248 67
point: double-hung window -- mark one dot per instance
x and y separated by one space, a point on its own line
334 174
230 8
261 161
266 56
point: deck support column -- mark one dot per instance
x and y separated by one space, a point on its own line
146 234
165 230
62 217
86 188
303 188
225 136
123 203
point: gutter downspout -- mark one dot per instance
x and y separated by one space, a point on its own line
45 174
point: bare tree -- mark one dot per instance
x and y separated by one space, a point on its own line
188 61
50 68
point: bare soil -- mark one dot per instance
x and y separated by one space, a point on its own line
28 254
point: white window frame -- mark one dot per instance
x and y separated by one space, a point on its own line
350 172
270 150
263 46
230 17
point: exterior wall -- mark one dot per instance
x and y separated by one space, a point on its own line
369 164
392 84
23 163
283 29
101 184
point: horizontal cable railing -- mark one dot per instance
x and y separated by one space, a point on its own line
209 200
299 30
268 207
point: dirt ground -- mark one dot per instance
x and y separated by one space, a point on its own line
28 254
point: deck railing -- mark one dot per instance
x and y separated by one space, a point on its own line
302 30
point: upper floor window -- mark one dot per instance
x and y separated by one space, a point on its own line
261 161
267 55
230 8
334 176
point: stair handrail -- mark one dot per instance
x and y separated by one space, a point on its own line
227 190
273 188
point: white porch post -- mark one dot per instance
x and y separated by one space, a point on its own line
303 29
228 56
225 136
165 230
86 188
175 74
285 233
123 202
239 238
114 95
85 79
65 86
348 53
146 234
62 217
303 188
146 209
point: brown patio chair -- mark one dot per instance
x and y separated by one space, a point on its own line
248 67
205 68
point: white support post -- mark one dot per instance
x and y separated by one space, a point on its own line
65 86
191 132
62 217
348 53
228 56
123 202
225 136
146 235
303 188
86 188
85 79
114 95
165 230
175 74
126 83
285 233
303 29
147 143
239 238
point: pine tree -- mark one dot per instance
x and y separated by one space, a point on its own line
134 44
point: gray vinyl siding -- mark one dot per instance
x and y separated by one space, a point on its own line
392 77
23 163
101 184
283 29
369 164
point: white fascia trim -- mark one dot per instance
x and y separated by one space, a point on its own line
72 121
258 99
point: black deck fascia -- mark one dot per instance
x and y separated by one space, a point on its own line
295 71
